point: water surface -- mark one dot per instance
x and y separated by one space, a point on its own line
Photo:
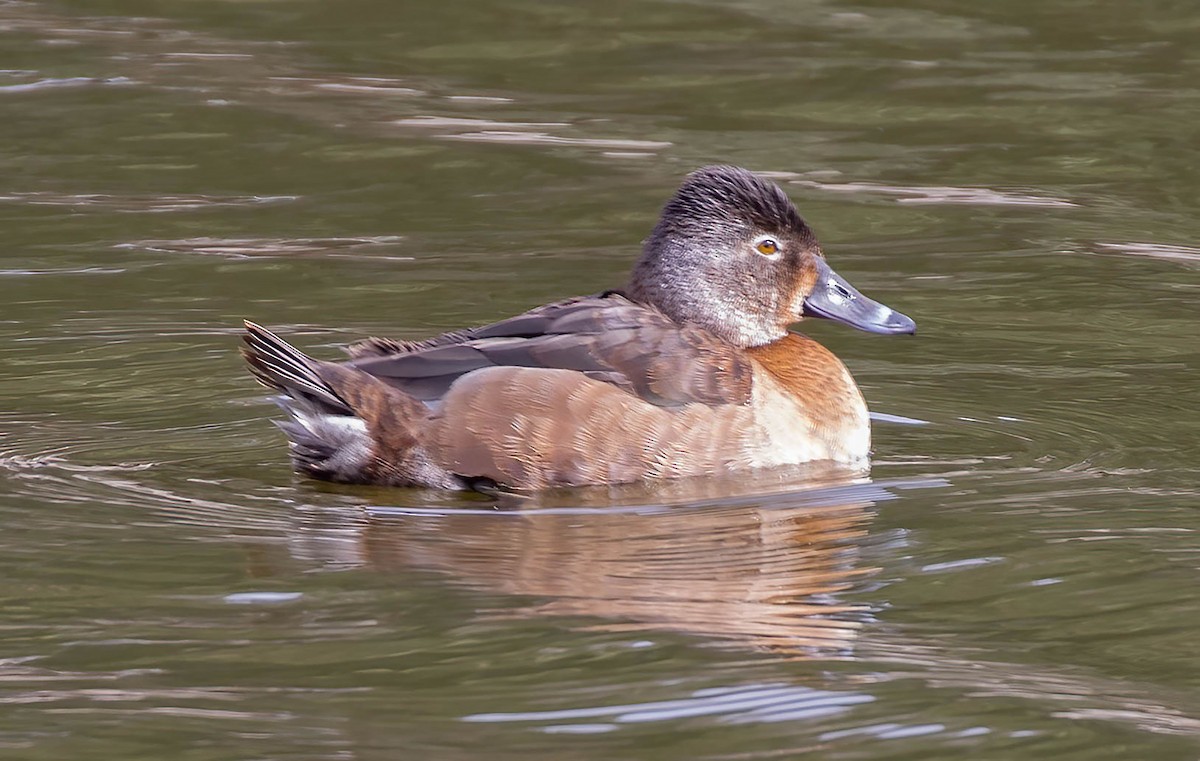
1016 578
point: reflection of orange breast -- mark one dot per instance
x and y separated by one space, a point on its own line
817 382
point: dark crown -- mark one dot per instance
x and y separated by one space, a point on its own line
734 194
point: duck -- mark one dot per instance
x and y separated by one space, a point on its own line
692 369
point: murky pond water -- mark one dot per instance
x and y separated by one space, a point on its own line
1017 579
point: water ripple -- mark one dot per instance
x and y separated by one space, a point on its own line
939 194
139 204
244 248
744 704
54 84
1184 254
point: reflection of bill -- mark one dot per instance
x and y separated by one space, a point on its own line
759 571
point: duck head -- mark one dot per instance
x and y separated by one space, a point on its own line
731 253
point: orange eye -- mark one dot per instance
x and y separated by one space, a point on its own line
767 247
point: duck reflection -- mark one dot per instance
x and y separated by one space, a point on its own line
765 569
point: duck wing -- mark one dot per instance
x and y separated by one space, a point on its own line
605 337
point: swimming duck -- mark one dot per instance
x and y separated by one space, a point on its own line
688 370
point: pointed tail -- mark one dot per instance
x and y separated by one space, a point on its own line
277 364
346 425
327 440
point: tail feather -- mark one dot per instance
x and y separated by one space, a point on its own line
325 438
278 365
345 425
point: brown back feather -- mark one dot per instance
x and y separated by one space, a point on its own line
607 338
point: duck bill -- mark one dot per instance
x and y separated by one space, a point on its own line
833 298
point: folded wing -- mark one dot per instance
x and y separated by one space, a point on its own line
606 338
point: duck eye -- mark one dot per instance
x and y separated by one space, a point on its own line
767 247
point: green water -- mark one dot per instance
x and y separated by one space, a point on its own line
1018 579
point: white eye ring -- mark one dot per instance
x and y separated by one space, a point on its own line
767 246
